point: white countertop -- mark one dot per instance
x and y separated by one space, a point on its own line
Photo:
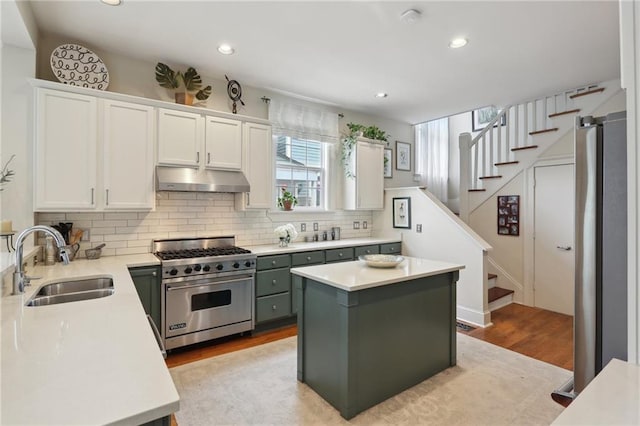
89 362
356 275
612 398
298 246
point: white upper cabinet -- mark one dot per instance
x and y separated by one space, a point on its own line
128 140
196 140
180 138
65 151
92 154
223 141
257 166
365 190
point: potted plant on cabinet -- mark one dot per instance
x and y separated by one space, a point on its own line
190 79
287 200
349 141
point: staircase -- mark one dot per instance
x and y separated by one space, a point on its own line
497 297
517 136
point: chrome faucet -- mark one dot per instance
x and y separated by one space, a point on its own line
19 278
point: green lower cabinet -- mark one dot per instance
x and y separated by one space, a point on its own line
339 255
392 248
147 282
273 307
362 250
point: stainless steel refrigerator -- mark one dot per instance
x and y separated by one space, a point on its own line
600 321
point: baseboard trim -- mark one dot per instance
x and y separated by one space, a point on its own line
473 317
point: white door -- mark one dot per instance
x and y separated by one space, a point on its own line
369 176
128 140
258 162
224 143
554 252
65 151
180 138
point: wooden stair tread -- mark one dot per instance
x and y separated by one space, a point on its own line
490 177
520 148
537 132
477 190
571 111
588 92
504 163
496 293
491 276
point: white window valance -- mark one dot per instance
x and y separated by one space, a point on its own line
298 121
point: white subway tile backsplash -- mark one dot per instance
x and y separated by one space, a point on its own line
198 214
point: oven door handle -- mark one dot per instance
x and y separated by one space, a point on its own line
171 287
152 323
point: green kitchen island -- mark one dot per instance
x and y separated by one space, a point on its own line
366 334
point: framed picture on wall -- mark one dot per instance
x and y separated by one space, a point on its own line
481 117
403 156
509 215
402 212
388 158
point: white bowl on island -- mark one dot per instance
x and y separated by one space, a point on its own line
381 260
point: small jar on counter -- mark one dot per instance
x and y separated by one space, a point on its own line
49 251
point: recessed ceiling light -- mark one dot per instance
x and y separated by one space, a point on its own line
225 49
381 95
112 2
458 42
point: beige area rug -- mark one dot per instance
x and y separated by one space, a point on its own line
489 386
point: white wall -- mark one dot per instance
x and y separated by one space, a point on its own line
444 237
630 76
18 58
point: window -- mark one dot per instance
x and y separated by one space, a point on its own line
300 169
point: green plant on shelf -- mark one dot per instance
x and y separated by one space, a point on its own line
349 142
287 200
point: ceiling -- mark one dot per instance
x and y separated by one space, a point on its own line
342 53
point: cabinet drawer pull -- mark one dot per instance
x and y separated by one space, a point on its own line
107 197
273 282
368 251
208 158
309 258
198 157
154 273
339 254
273 262
274 307
92 189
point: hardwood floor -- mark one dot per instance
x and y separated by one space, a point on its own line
544 335
225 345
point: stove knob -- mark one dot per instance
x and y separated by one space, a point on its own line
247 264
188 270
206 268
219 266
197 268
236 265
174 271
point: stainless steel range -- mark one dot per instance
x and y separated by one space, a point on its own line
207 289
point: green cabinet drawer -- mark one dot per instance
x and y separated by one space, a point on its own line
338 255
272 262
307 258
273 307
373 249
272 281
392 248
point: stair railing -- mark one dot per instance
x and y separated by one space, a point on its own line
510 130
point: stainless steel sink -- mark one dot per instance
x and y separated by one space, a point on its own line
69 297
75 286
72 291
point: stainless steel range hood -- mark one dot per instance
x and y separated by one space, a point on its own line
195 180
